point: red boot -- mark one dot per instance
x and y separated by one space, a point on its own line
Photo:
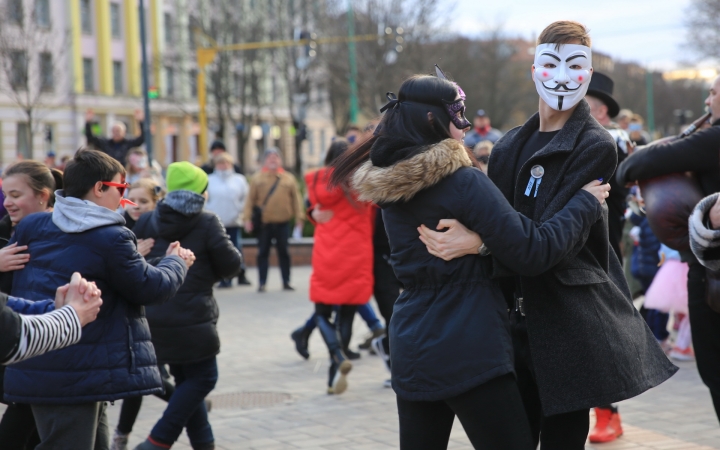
607 428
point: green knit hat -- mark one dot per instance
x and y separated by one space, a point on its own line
185 176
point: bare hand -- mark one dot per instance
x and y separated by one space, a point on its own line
11 258
248 226
145 245
321 215
89 115
139 115
173 249
83 296
454 243
599 190
715 215
188 256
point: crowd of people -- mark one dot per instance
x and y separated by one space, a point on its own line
504 267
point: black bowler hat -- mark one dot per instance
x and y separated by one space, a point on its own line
601 87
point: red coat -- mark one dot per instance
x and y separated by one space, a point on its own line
342 256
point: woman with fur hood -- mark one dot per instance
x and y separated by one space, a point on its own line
449 337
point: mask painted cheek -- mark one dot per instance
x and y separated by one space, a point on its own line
581 76
544 74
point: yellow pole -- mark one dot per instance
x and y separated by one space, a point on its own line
76 32
104 55
204 57
132 47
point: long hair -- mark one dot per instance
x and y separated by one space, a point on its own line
406 128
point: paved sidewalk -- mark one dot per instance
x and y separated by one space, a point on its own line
258 357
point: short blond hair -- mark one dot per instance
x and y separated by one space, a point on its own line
120 125
223 157
565 32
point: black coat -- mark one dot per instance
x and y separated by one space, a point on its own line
589 344
184 329
449 329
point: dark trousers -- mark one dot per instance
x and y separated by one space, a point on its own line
566 431
131 406
705 326
17 429
386 290
186 408
656 320
492 415
280 232
81 426
235 238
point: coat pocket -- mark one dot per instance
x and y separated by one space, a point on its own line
581 277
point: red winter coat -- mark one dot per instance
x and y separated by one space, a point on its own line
342 256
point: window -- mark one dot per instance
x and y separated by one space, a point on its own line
193 83
42 13
88 75
15 11
170 77
115 20
23 140
118 77
19 69
86 17
47 79
168 29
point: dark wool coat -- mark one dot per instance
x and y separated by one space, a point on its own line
184 329
449 330
589 344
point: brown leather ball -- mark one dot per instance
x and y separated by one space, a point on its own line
669 201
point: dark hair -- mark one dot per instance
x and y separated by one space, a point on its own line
337 148
87 168
404 130
39 177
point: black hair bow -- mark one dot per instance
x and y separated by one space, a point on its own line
392 102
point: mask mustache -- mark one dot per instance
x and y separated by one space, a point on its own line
563 86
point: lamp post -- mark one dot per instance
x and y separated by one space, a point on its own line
353 64
146 98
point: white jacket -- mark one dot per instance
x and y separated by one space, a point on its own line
227 192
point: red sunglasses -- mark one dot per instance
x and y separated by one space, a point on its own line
121 189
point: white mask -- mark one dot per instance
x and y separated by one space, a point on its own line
562 77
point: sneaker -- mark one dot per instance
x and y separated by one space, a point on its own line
224 284
377 346
243 281
119 441
387 383
339 382
261 288
351 355
686 354
368 341
150 444
287 287
607 428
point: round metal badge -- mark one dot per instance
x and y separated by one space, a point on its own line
537 171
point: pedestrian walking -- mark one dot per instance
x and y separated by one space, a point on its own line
118 145
227 194
274 200
451 350
539 166
184 329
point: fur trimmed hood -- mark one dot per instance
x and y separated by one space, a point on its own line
402 180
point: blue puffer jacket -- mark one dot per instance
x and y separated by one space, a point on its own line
645 259
115 357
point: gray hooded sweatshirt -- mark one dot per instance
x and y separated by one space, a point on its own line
73 215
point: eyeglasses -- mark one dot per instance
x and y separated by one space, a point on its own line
120 186
483 158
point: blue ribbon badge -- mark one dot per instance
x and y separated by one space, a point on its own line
536 174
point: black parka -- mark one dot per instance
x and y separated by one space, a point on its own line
589 344
449 330
184 329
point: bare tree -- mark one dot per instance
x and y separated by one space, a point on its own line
702 20
32 61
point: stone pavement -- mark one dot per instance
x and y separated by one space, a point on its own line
258 359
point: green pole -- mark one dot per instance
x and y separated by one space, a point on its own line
353 65
650 103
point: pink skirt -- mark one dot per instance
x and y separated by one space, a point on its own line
668 291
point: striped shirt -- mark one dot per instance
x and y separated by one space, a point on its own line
43 333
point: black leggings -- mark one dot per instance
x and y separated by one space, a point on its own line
492 415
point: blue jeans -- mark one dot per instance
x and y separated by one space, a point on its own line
366 311
186 408
234 234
